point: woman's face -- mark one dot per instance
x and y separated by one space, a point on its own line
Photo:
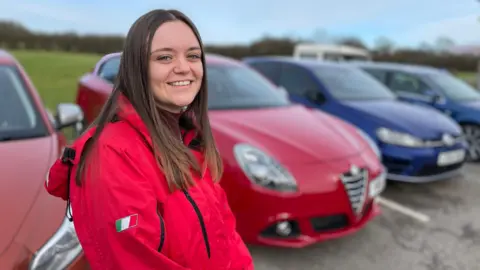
176 68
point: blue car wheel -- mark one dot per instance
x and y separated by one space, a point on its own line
472 135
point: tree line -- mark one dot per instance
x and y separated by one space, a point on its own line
14 35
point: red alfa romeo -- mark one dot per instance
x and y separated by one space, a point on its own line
34 233
293 176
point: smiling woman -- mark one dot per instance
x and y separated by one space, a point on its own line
145 193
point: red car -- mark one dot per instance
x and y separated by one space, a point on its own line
293 176
34 232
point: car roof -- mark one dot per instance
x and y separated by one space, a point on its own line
411 68
308 63
6 57
217 59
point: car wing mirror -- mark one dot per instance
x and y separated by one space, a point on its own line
435 98
315 96
68 114
438 99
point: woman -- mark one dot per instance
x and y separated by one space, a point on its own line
142 182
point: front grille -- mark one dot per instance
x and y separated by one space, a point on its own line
395 165
355 183
429 170
443 142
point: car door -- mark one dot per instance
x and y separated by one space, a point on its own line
301 85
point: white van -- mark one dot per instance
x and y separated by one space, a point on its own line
330 52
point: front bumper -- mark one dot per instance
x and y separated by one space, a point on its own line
311 218
420 165
319 211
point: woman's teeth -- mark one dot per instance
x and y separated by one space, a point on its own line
180 83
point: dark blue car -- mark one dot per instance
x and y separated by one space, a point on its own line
417 143
435 88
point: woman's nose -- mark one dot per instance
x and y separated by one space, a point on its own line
181 65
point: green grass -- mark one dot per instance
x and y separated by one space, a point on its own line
56 74
469 77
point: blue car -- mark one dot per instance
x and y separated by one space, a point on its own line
435 88
417 143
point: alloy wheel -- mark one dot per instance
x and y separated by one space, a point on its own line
472 135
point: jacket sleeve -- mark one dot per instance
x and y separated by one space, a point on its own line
56 180
126 225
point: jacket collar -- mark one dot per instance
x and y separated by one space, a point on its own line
127 113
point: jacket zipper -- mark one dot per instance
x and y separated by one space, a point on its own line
200 218
162 232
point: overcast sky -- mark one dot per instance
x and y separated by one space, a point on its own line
407 22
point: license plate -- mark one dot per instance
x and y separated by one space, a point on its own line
451 157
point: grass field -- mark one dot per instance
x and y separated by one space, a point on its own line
469 77
56 74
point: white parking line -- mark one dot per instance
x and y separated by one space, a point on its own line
404 210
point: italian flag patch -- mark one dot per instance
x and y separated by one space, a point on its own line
126 223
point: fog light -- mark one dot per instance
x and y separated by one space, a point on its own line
284 228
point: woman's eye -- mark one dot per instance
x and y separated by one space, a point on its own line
194 56
164 58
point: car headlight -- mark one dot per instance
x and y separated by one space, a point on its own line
263 169
398 138
59 251
370 141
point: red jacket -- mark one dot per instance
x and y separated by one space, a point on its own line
124 216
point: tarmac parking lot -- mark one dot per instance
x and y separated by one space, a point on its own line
433 226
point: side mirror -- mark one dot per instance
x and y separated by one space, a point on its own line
438 99
68 115
315 96
435 98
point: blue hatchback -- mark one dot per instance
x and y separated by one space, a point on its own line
417 143
435 88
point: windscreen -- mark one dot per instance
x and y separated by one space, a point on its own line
346 83
238 87
454 88
19 117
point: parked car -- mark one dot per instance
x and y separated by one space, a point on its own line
35 233
418 144
435 88
289 181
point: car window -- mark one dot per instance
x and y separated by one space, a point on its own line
297 80
109 69
454 88
237 87
346 83
404 82
269 70
380 75
19 118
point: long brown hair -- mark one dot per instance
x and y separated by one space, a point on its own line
173 157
